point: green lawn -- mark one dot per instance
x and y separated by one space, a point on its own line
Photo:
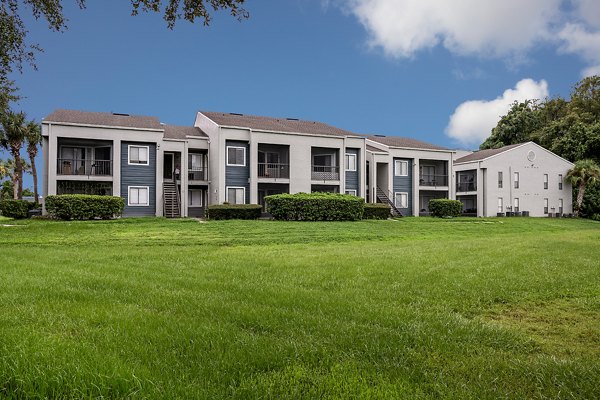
413 308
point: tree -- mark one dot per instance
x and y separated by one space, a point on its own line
584 173
12 136
33 135
15 51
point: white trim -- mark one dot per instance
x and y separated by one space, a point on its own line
234 187
227 156
398 171
350 190
396 197
355 162
129 146
138 187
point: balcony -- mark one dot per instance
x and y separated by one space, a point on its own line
273 170
198 174
433 180
325 173
71 166
466 187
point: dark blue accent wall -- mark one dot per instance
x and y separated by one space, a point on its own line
139 175
353 177
238 176
404 184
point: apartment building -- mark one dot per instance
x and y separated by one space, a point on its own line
176 171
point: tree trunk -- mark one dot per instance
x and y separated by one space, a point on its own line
35 178
17 174
580 194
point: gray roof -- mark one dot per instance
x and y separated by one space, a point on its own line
104 118
288 125
397 141
374 149
483 154
182 132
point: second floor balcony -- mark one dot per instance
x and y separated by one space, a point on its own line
433 180
325 173
466 187
74 166
273 170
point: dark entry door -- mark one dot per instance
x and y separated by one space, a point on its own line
168 166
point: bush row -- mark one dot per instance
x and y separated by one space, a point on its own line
445 207
233 211
17 209
84 206
376 211
315 207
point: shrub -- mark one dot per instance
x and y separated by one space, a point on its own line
445 207
315 207
234 211
376 211
16 209
84 206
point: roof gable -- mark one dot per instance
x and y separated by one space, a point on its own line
398 141
483 154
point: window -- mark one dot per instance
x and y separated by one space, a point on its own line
401 199
545 206
516 204
236 156
560 206
138 155
137 196
545 181
500 205
196 162
516 180
401 168
195 197
500 181
351 191
560 181
236 195
350 162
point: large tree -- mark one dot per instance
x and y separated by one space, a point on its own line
15 51
582 175
33 135
12 137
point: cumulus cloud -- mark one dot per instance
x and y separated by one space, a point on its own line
472 121
499 29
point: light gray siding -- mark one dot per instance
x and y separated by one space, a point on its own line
353 177
238 176
139 175
404 184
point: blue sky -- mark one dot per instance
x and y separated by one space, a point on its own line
424 69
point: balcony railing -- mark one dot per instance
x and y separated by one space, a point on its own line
273 170
433 180
325 173
466 187
71 166
198 174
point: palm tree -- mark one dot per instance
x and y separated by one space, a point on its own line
583 174
33 135
12 136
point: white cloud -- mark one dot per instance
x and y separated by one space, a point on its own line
505 29
472 121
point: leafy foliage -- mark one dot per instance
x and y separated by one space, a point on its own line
233 211
12 136
583 174
84 206
376 211
445 207
315 207
17 209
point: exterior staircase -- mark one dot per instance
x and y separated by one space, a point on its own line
383 197
171 202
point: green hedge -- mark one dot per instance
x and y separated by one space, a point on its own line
315 207
16 209
84 206
234 211
376 211
445 207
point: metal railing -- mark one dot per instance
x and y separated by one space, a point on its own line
466 187
433 180
71 166
273 170
325 173
198 174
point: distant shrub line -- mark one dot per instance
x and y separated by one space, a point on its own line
84 206
233 211
17 209
445 208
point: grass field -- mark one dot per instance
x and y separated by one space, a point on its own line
414 308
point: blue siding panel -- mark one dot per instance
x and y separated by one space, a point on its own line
352 177
404 184
139 175
238 176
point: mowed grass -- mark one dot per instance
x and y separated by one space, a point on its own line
414 308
